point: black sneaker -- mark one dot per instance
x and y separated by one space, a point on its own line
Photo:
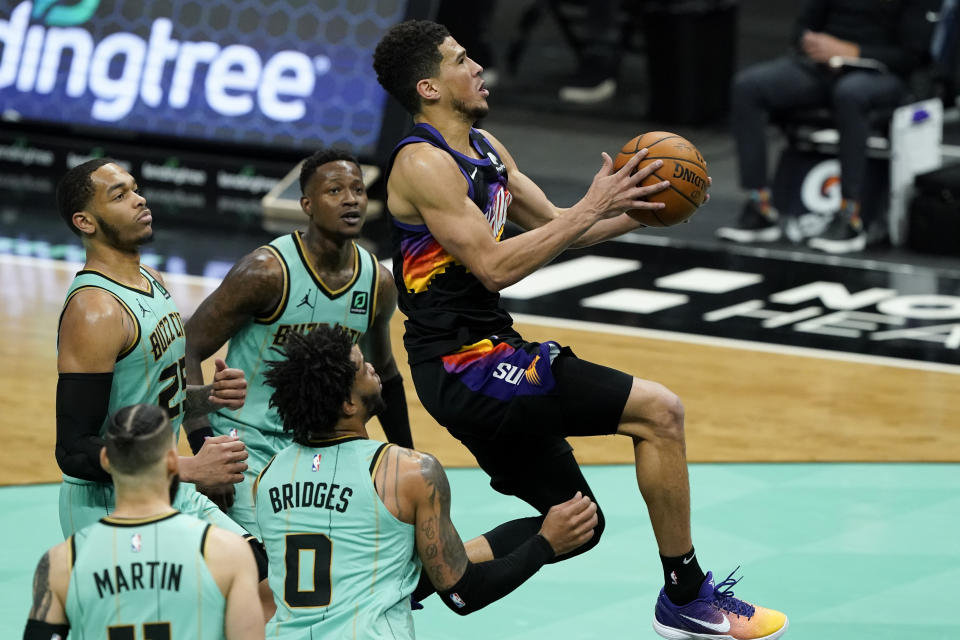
753 225
840 237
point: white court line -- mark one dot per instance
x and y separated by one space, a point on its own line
73 267
597 327
790 255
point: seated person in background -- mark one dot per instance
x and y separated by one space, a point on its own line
896 34
347 521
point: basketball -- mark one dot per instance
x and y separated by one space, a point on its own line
683 166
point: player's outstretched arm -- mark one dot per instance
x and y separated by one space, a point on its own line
95 329
426 185
464 586
47 615
531 208
232 565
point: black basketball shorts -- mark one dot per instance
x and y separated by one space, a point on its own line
504 387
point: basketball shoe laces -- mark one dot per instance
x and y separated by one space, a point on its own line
723 592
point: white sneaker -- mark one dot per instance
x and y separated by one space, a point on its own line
589 92
807 225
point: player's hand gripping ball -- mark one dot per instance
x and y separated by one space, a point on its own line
683 166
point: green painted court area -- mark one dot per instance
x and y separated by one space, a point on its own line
851 551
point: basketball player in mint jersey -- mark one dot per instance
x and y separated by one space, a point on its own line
146 570
321 277
348 521
510 401
121 342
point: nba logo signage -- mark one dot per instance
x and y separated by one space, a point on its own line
136 543
315 466
457 600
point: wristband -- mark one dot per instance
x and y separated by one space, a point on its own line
37 630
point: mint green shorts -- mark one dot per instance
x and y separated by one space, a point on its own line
261 447
83 503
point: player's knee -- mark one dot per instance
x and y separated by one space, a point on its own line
668 415
597 533
589 544
653 412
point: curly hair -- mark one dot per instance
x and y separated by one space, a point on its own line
76 188
322 157
137 437
408 53
311 381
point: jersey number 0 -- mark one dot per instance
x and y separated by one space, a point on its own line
301 548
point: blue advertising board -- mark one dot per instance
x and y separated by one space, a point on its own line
285 74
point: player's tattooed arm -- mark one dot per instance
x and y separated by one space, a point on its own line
228 390
49 587
398 470
438 543
255 287
41 589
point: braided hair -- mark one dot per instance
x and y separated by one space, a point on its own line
138 436
312 381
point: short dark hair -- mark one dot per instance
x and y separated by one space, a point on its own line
137 437
311 381
408 53
76 188
322 157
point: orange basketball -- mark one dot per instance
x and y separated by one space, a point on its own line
683 166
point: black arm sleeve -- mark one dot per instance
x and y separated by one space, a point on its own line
260 555
394 418
37 630
82 403
487 582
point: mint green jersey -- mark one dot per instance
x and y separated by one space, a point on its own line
341 565
152 369
143 578
306 302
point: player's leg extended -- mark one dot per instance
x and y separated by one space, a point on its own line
542 472
653 416
690 606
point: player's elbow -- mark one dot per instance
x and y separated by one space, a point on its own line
493 280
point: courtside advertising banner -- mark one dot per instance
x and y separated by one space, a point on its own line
273 73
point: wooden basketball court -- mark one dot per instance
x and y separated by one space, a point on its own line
744 402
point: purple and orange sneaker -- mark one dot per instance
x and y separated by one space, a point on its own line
717 614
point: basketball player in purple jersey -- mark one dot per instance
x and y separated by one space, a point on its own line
450 189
